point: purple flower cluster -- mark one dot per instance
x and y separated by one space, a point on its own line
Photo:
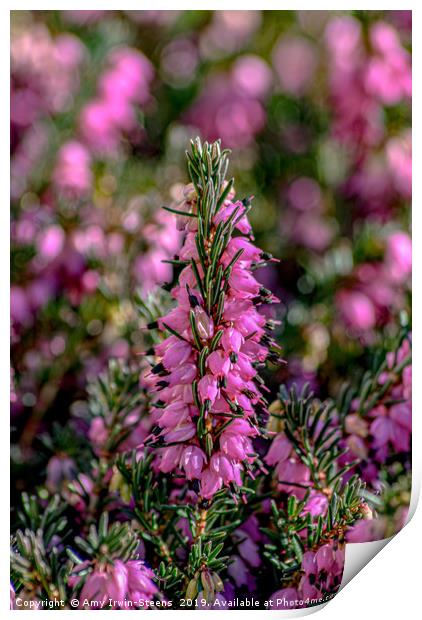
385 429
226 397
111 115
74 237
105 120
321 571
45 75
375 289
362 83
117 585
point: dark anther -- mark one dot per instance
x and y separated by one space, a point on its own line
266 256
264 292
221 382
193 301
274 358
248 393
159 369
266 340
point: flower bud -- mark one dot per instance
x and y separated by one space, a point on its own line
355 424
208 585
192 589
366 511
189 193
184 222
204 324
218 583
117 483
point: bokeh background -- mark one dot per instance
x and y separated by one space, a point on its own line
316 106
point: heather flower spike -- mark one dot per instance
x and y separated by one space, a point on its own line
209 404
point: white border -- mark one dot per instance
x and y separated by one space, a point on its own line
390 584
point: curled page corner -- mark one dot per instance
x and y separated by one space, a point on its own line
358 555
414 496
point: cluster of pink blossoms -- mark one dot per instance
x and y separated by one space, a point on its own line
293 476
362 83
125 84
71 261
210 400
117 585
387 428
105 120
370 437
322 572
376 288
45 74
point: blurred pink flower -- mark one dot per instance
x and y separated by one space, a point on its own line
124 84
164 242
90 241
50 242
72 173
306 224
20 310
363 79
179 62
304 194
226 112
388 73
252 75
46 70
228 32
398 257
356 309
295 60
366 530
